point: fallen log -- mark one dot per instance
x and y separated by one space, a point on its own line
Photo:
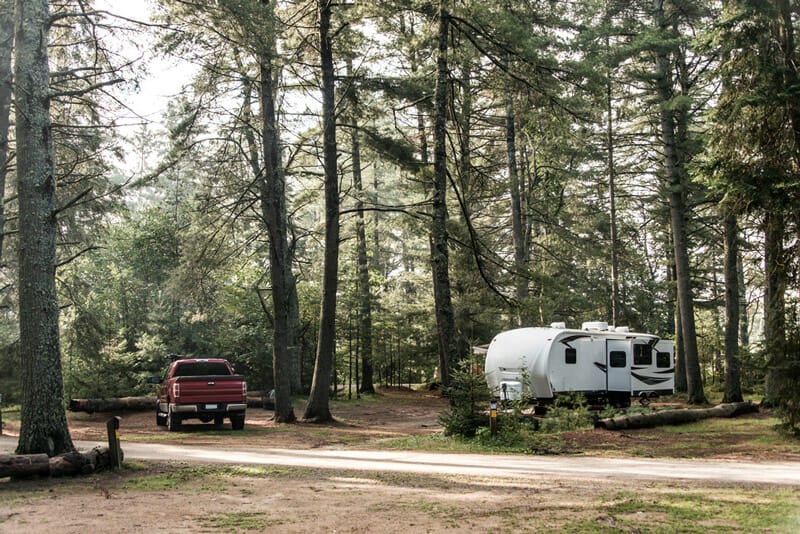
118 404
675 417
263 400
132 404
70 463
24 465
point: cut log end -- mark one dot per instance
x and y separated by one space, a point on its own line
71 463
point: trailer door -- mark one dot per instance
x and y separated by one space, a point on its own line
618 365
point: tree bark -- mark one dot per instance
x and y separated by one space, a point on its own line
612 204
273 206
517 224
774 303
362 264
733 387
675 417
71 463
318 409
6 47
445 317
43 421
677 190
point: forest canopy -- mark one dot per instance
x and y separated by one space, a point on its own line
344 194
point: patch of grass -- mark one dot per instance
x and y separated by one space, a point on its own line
206 433
183 476
728 509
242 521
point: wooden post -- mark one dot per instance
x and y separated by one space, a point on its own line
114 449
493 417
1 414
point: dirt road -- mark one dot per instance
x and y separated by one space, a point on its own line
500 466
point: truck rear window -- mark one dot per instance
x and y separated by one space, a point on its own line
201 369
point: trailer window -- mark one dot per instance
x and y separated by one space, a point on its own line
617 358
663 360
570 356
642 355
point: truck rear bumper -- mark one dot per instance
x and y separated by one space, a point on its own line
202 408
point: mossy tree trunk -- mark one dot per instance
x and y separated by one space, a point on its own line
43 421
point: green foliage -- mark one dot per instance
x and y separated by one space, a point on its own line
569 412
788 377
469 400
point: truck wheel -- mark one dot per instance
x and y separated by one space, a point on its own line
173 421
237 422
161 419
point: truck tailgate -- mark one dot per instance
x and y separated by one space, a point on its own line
205 389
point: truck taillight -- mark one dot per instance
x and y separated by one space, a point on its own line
244 389
176 390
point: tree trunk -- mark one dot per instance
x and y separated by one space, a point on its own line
273 206
6 47
774 303
744 320
43 421
612 205
775 260
318 409
675 417
362 264
677 190
445 317
517 224
680 360
733 383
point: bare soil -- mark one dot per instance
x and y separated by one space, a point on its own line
391 413
182 497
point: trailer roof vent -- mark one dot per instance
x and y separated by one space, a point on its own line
595 325
622 329
560 326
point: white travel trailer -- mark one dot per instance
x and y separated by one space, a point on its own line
604 364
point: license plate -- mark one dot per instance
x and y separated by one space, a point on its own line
211 406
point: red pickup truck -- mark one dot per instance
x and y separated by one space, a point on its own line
205 389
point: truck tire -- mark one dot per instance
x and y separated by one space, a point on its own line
161 419
173 421
237 422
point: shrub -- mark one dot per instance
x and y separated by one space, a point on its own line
469 398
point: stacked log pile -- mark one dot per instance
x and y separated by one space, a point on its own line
71 463
675 417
